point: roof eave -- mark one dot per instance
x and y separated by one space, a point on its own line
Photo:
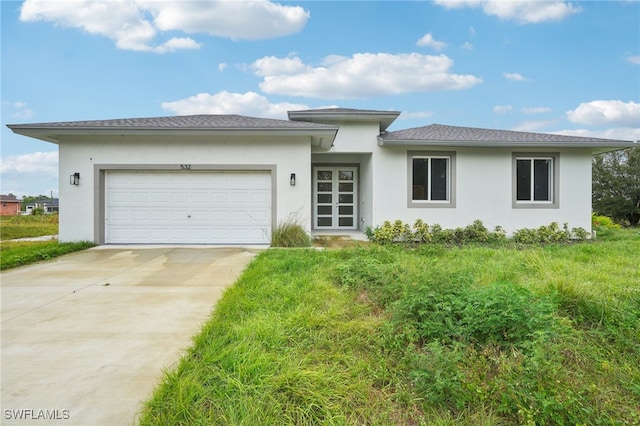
55 134
596 147
384 118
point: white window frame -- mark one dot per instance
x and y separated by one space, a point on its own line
450 202
554 186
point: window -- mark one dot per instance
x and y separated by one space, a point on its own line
431 179
535 180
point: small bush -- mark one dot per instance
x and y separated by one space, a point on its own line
401 233
603 222
290 234
548 234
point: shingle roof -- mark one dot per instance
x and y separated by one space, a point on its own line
321 134
8 198
203 121
452 135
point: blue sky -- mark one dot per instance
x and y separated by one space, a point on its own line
540 66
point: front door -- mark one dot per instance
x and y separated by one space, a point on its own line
335 197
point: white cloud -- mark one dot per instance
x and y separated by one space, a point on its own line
238 20
416 114
222 66
270 65
502 109
467 46
45 163
362 75
513 76
136 24
535 110
611 112
18 110
249 103
523 12
620 133
429 41
177 43
30 174
633 59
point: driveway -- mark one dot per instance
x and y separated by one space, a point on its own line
86 337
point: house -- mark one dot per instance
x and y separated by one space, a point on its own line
48 206
9 205
222 179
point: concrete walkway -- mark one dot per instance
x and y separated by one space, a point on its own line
86 337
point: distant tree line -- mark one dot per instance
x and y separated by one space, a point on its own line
28 199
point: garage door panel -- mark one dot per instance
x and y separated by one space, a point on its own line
179 197
200 196
159 196
219 196
188 207
139 215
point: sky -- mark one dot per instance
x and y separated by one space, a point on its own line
567 67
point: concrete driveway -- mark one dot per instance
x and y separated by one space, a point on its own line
87 336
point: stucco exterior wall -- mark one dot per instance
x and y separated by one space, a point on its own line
356 138
484 190
86 154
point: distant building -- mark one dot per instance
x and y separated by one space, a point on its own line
10 205
48 206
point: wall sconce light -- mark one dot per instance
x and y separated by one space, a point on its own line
74 179
292 179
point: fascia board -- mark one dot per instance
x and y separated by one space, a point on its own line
610 146
55 134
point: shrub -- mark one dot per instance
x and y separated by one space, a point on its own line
421 233
290 234
476 232
603 222
547 234
402 233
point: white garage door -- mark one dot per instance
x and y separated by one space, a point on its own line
225 207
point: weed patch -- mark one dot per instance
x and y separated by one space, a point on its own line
290 234
437 334
14 227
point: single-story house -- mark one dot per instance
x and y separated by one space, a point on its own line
49 206
220 179
9 205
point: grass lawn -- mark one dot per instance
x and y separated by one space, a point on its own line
13 227
17 253
14 254
506 335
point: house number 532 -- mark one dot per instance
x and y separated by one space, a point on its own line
185 166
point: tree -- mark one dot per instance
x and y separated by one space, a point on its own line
616 185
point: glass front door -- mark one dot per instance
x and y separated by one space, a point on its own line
335 197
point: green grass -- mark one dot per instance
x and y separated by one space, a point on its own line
13 227
493 335
21 253
18 253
